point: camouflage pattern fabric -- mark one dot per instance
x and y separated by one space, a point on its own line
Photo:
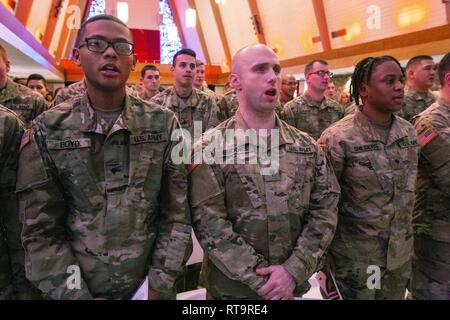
415 102
375 210
13 283
74 90
26 103
312 117
245 220
78 89
198 107
112 203
431 264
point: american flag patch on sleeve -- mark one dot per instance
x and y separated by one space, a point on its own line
25 139
426 136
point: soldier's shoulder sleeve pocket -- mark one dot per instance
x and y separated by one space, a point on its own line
204 184
32 170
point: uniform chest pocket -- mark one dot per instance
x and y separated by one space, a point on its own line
365 177
146 165
298 167
72 158
405 166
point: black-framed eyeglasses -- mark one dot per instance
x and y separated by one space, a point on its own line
122 48
322 73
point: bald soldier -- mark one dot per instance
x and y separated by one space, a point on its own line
374 154
97 185
26 103
312 112
288 88
264 225
420 74
431 263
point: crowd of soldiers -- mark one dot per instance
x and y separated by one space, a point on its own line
95 182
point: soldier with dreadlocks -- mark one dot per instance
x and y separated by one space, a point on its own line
374 154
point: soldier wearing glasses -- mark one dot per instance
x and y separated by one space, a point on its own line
97 187
312 112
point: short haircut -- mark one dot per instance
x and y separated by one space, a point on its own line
82 31
416 60
199 63
36 76
186 51
18 79
444 68
310 65
3 54
148 67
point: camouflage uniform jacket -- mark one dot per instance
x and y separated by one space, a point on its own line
26 103
245 220
312 117
377 182
415 102
198 107
228 105
77 89
112 203
74 90
12 266
432 211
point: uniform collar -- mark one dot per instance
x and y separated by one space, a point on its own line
191 102
369 133
419 95
286 136
126 120
443 103
321 105
10 91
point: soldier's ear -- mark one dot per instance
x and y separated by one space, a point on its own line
76 56
235 81
7 64
447 78
363 91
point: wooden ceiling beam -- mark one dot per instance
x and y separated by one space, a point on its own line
200 33
223 36
23 10
257 21
51 24
447 10
176 18
405 40
321 19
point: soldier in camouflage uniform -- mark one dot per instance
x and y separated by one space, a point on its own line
431 263
312 112
263 233
288 88
97 185
151 80
74 90
188 103
78 89
26 103
13 283
199 79
420 73
374 155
